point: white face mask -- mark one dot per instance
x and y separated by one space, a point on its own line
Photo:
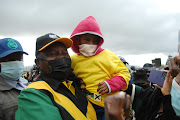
12 70
175 97
87 50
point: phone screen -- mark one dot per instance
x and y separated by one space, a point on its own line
157 77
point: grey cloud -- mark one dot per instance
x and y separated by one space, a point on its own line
129 27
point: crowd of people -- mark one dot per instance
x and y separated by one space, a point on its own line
92 84
31 75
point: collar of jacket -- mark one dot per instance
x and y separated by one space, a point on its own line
54 84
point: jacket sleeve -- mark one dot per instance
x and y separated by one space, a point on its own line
118 69
35 105
116 84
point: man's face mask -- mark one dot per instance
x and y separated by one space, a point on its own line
60 68
175 97
12 70
87 50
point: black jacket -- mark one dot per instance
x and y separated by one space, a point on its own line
147 103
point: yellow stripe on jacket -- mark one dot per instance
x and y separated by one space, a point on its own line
65 102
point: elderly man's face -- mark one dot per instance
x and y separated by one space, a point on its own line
55 50
17 56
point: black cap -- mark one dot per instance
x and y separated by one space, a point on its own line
140 76
47 39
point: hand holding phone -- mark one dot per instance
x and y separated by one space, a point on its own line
166 89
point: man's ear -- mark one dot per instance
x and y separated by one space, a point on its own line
37 63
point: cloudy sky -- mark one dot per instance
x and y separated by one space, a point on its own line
138 30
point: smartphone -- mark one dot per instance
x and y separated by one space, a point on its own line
157 77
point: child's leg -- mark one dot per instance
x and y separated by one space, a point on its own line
99 112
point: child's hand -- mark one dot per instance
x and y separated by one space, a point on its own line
83 85
102 88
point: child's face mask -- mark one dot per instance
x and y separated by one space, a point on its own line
87 49
175 97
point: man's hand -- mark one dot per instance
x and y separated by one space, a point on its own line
174 66
166 89
102 88
117 107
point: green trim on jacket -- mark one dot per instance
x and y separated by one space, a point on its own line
33 101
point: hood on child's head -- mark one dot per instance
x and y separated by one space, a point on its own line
88 25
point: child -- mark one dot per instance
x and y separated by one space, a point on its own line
102 71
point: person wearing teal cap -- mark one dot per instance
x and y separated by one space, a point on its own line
11 83
169 57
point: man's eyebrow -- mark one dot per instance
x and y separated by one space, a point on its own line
50 53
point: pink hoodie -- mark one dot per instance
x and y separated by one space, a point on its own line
88 25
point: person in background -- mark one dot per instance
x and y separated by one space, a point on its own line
174 68
34 74
102 71
53 96
160 103
123 60
26 75
151 103
140 78
11 82
169 57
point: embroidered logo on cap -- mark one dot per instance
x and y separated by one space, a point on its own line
53 36
12 44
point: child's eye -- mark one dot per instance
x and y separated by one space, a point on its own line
96 41
86 40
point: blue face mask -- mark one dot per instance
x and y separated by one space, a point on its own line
175 97
12 70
